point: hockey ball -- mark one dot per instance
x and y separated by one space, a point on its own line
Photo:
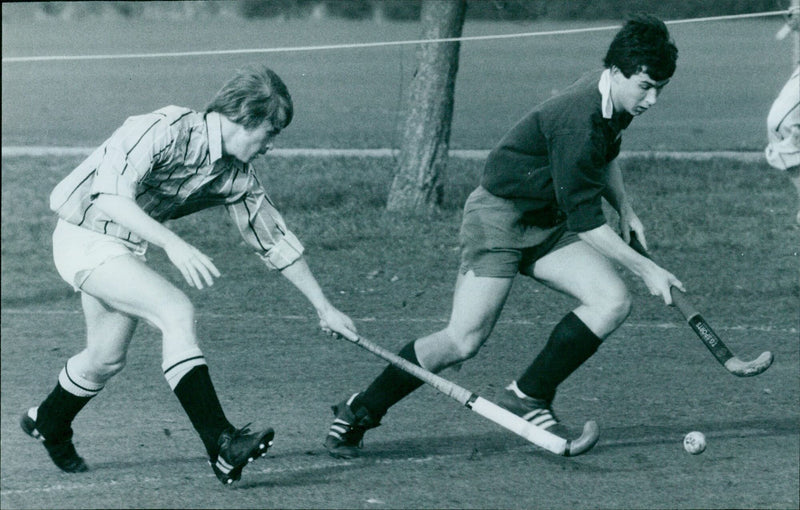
694 442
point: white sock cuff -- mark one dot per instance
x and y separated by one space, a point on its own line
175 367
74 383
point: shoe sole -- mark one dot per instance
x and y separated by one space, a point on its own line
343 456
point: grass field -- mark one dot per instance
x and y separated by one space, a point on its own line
725 228
730 239
728 74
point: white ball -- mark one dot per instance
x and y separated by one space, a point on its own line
694 442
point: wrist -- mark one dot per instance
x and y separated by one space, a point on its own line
323 308
167 240
643 266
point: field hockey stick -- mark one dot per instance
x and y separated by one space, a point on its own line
710 339
506 419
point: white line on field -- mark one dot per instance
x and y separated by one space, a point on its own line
310 318
479 154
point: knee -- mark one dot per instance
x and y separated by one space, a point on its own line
176 317
617 305
464 345
103 366
610 307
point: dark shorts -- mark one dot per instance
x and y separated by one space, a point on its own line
495 242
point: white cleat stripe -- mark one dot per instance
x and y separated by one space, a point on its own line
547 424
539 412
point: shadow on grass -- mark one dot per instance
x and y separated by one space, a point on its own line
622 437
310 467
474 447
116 465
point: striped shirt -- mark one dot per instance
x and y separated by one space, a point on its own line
783 150
170 163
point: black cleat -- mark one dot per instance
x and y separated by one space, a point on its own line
236 449
346 434
62 451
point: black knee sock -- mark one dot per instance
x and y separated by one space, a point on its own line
570 344
199 399
391 386
54 416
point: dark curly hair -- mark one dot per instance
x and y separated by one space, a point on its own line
643 43
253 95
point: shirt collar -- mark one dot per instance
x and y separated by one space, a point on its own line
214 136
607 106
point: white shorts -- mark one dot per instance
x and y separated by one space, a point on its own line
78 251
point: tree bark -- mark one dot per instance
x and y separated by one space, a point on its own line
416 187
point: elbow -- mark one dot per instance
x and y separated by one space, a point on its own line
104 201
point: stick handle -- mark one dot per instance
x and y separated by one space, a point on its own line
710 339
451 389
678 297
485 408
680 300
692 316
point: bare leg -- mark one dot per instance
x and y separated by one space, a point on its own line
109 333
579 271
477 303
128 286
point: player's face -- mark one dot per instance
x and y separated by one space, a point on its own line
247 144
636 94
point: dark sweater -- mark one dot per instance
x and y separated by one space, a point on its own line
555 157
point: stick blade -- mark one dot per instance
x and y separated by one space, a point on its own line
591 433
741 368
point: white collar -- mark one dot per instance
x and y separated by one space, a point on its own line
214 136
607 106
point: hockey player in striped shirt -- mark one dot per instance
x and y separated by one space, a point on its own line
157 167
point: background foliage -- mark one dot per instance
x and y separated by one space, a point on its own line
404 10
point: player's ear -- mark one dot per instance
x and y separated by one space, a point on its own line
616 75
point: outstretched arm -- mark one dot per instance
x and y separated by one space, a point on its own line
331 320
263 227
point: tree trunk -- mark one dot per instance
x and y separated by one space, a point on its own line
426 137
